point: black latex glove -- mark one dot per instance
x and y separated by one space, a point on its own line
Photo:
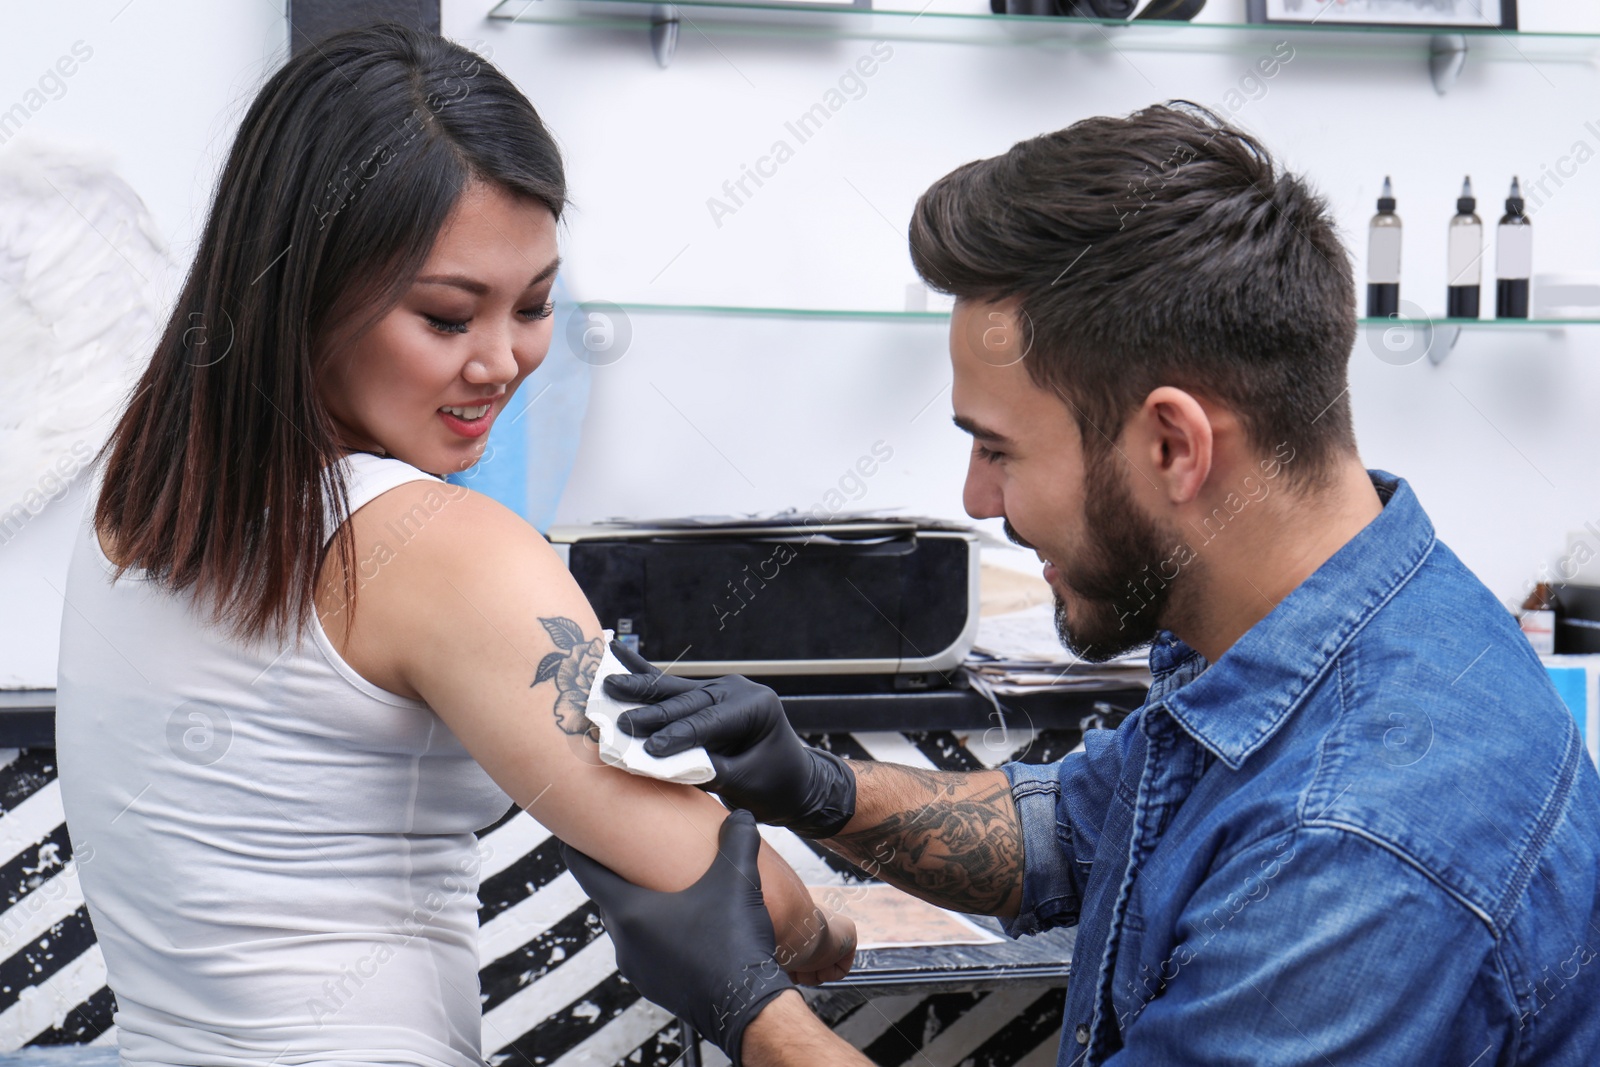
706 953
761 764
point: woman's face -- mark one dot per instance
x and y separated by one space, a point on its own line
429 379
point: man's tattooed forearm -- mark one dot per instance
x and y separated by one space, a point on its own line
572 669
956 841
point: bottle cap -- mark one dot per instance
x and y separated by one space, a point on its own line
1514 200
1466 203
1386 198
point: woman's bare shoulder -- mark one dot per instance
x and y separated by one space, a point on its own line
441 520
108 547
426 556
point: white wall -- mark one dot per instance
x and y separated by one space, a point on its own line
158 86
731 415
162 91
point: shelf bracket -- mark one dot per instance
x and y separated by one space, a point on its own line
1447 54
664 33
1449 334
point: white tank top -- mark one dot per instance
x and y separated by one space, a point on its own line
277 855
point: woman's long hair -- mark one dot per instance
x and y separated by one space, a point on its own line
342 173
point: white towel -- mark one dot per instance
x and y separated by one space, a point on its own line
621 749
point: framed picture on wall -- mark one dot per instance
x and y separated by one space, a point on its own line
1444 14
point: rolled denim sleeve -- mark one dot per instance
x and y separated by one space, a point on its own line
1062 807
1036 788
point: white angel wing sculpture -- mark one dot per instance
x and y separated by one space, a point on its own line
84 278
85 286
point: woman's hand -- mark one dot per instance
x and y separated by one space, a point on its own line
835 953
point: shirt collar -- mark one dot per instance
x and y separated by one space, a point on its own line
1234 706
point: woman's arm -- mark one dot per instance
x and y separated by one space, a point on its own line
464 605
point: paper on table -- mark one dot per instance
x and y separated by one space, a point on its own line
620 749
887 917
1029 636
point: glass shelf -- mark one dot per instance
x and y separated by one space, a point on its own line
1500 324
1436 338
860 314
752 18
839 314
1407 340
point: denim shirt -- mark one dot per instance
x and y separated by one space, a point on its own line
1369 833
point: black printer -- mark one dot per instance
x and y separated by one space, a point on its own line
884 597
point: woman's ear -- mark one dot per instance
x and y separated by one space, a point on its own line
1176 442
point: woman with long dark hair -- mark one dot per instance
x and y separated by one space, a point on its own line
272 795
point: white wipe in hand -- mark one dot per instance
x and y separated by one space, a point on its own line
620 749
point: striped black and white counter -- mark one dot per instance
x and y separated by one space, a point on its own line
550 989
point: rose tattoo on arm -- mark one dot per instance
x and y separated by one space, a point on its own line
573 668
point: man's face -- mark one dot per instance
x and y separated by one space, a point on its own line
1029 466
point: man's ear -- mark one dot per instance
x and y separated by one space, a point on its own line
1171 436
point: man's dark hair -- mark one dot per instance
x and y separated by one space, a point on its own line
1162 248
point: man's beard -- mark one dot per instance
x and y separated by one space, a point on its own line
1119 593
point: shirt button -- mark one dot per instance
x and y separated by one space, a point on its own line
1081 1034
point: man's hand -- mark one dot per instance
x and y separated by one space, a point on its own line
761 764
952 838
705 953
787 1034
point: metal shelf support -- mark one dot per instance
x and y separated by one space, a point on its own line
1447 54
664 33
